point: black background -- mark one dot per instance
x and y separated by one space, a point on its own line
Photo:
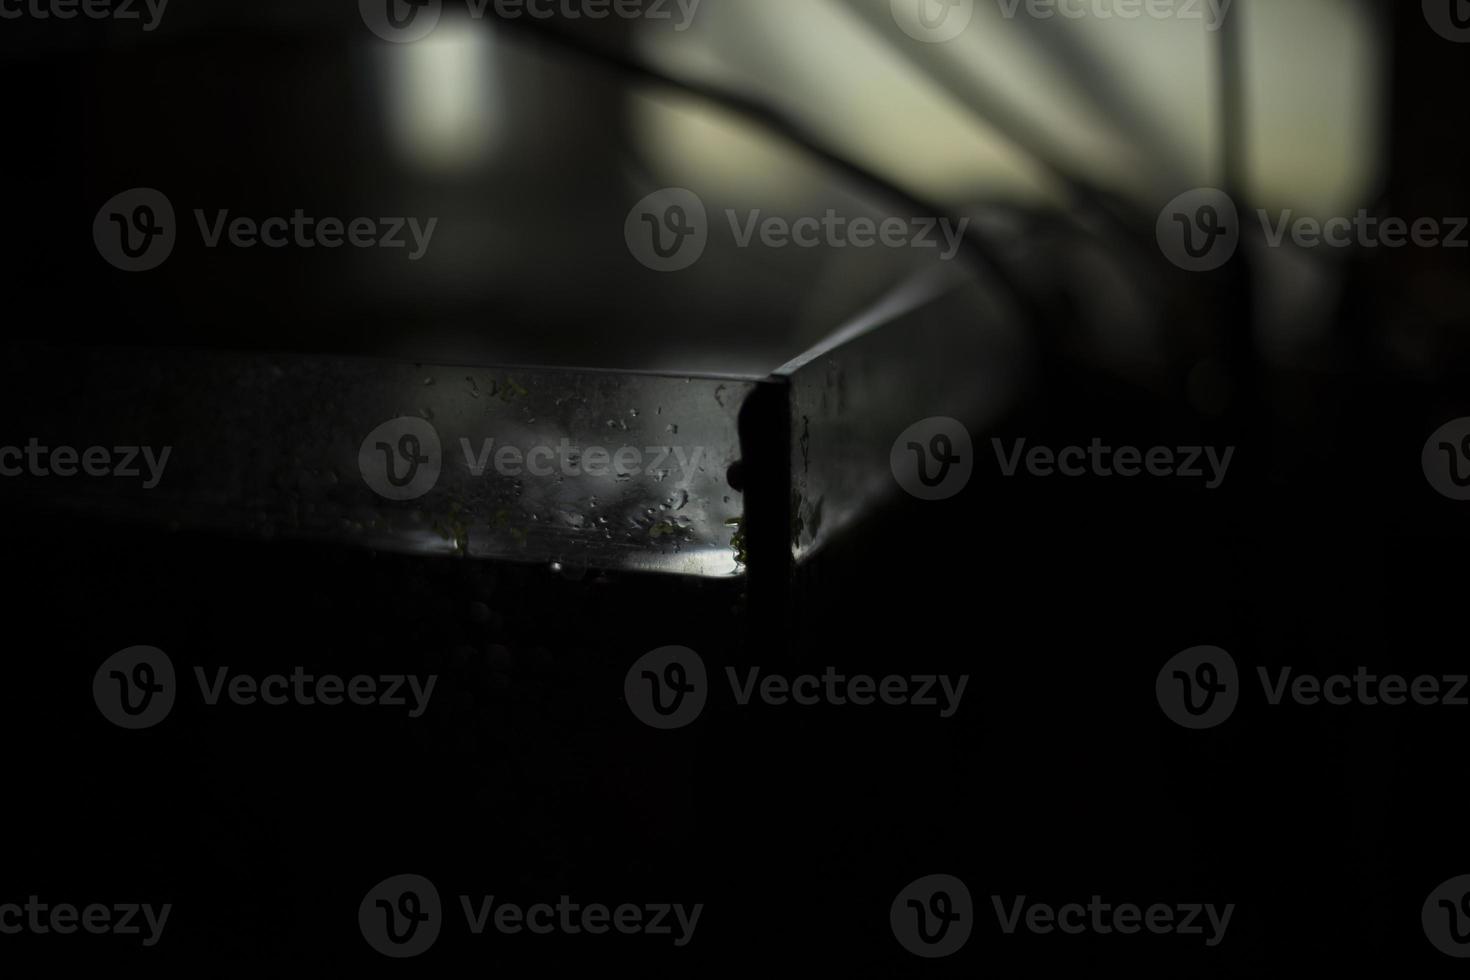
1059 779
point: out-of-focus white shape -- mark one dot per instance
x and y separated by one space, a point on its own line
1043 82
1131 103
842 82
1151 83
442 97
1314 73
689 141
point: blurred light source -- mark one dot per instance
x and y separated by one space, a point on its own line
851 89
1130 104
1316 113
442 97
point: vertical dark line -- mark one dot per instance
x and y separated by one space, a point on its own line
1238 304
765 462
1234 151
